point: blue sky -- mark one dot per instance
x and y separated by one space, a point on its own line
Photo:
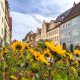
27 15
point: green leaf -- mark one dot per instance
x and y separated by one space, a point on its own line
57 77
22 64
13 69
5 65
37 76
63 75
33 78
28 56
23 78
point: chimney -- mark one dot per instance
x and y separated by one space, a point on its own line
74 4
43 21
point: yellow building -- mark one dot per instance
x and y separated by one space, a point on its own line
5 28
44 29
50 31
53 32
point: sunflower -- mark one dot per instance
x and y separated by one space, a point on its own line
18 46
4 50
77 53
58 48
26 46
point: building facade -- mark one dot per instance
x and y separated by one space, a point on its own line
70 26
64 30
38 35
44 29
50 31
53 32
5 31
30 37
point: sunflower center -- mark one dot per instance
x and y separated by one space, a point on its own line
18 47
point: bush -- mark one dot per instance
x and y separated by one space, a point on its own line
71 48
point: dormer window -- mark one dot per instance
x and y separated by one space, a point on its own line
62 17
52 21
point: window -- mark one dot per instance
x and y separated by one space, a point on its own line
50 33
2 20
75 32
57 38
53 32
0 8
0 42
57 31
62 26
68 23
75 41
74 21
62 36
70 41
2 31
68 34
53 38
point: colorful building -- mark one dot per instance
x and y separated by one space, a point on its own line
30 37
65 29
70 26
53 32
38 35
50 31
5 20
44 29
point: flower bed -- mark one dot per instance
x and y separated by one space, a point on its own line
46 61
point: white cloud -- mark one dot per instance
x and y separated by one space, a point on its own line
54 7
23 23
40 18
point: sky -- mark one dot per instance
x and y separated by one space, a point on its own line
27 15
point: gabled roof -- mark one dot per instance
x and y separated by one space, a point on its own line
75 10
47 26
62 16
29 34
38 30
69 14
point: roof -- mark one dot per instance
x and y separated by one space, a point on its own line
47 26
38 30
55 26
29 34
75 10
69 14
62 16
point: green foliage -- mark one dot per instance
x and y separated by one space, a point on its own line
23 65
71 48
23 78
41 45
